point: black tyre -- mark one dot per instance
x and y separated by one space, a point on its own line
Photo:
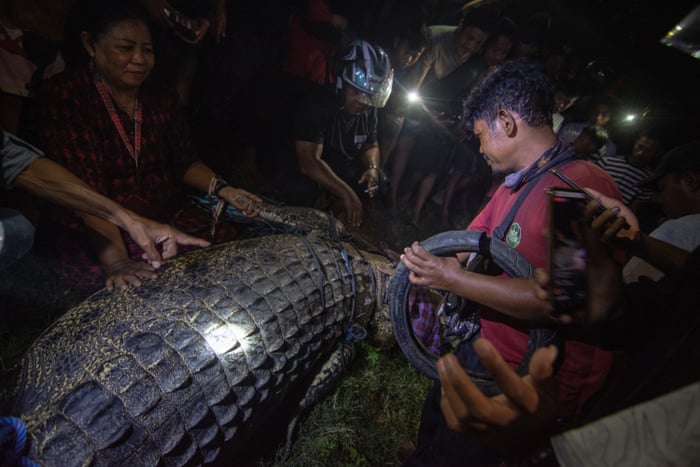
450 243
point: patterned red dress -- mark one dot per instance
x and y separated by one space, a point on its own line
77 132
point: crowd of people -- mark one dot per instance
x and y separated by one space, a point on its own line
141 103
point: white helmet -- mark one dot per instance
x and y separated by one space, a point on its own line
366 67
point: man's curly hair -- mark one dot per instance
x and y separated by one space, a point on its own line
519 86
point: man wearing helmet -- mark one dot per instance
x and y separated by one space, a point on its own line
336 132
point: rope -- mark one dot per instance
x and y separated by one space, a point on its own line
334 236
318 264
355 333
13 438
374 282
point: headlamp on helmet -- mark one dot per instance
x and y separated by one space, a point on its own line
366 67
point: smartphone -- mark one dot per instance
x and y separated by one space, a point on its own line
181 23
567 250
599 210
568 181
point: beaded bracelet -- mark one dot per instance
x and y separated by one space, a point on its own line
216 185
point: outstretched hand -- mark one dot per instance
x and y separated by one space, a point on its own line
526 403
159 241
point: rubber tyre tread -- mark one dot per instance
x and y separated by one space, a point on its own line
446 243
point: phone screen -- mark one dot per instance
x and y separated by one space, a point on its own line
567 249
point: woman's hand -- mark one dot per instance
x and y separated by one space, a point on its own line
165 14
113 254
158 10
190 30
246 202
126 273
199 28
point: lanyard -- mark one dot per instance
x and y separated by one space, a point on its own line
558 155
517 180
134 149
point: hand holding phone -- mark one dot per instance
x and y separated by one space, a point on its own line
182 24
567 249
574 186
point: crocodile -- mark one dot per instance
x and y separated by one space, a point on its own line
184 369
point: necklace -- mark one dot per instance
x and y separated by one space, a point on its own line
135 148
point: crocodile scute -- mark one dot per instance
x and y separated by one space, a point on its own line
189 364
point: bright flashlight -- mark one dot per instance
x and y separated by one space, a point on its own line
629 118
413 96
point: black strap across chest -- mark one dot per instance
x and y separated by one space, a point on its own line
560 156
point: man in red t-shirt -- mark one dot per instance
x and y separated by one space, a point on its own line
511 114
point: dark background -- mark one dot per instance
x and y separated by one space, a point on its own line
623 33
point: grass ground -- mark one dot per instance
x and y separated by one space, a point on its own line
371 419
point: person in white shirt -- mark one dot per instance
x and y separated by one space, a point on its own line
676 188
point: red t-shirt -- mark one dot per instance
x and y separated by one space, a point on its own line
585 366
